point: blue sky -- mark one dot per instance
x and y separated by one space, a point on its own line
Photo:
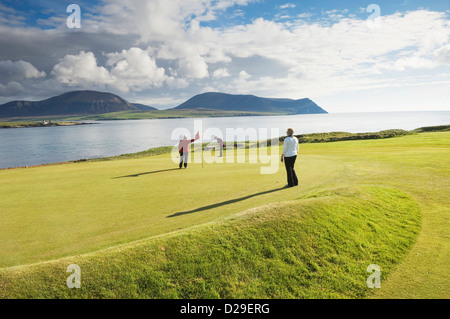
268 9
160 52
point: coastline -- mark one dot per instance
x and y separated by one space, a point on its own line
6 125
328 137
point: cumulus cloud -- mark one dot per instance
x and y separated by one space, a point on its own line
342 56
81 70
169 43
221 73
129 70
18 70
135 69
194 67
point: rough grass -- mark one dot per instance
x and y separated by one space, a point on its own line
150 152
345 136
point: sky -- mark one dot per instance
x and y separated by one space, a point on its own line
347 56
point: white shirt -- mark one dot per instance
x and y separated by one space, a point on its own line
290 147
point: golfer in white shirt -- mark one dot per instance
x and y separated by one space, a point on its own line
289 155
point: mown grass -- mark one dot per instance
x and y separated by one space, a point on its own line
381 201
316 247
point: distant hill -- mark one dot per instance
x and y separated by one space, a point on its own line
70 103
93 103
222 101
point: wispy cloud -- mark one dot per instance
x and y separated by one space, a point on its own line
287 6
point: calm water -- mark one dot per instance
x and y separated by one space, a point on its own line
33 146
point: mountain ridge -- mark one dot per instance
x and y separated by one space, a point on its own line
240 102
88 102
71 103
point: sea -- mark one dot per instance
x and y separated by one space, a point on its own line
43 145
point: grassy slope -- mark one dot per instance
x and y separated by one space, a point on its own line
77 208
327 243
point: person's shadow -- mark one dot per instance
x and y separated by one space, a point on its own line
227 202
146 173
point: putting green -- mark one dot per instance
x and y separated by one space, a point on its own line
54 211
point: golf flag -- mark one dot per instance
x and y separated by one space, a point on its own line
197 136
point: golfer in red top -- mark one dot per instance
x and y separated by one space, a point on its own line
183 149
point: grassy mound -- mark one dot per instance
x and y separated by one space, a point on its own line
318 246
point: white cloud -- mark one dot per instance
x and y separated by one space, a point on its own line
412 62
305 15
443 54
135 69
221 73
81 70
194 67
341 56
243 75
128 70
159 20
324 59
287 6
335 53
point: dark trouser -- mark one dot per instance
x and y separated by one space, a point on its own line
291 176
184 158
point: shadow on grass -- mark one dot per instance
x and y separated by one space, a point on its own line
227 202
147 173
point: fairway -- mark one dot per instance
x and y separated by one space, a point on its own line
381 201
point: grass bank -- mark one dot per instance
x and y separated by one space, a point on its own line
316 247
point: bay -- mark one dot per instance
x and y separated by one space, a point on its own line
43 145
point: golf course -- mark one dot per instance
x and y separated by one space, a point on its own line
139 227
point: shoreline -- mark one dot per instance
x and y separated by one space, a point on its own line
328 137
7 125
